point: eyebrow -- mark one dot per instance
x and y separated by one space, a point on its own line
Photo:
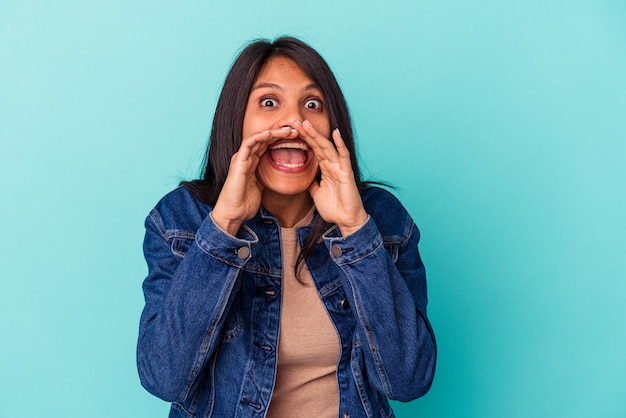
311 86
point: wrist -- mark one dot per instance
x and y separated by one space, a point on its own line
354 226
230 226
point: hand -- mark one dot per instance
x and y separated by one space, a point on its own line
336 196
240 197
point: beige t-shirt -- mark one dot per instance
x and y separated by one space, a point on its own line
308 347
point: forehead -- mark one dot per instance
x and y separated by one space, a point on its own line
282 69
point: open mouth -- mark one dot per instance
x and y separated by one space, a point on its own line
289 153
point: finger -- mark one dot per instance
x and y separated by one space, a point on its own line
322 147
297 125
258 142
342 150
252 143
285 131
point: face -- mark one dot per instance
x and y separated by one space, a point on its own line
282 93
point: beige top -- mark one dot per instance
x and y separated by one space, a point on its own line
308 346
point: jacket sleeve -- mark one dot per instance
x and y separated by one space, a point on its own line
187 297
386 289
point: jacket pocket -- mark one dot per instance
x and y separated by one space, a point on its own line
180 244
233 324
392 245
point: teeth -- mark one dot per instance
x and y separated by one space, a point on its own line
289 165
294 145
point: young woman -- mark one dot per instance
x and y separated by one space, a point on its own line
280 284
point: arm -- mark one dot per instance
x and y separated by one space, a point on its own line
389 300
187 299
186 304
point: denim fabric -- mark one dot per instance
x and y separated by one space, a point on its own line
209 331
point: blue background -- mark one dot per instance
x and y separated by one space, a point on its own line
502 124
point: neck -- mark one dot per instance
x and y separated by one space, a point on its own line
287 209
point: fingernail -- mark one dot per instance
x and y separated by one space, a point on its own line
297 122
307 123
286 127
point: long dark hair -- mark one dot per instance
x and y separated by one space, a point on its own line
226 132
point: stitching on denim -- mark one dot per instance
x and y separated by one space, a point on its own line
392 246
251 232
359 381
177 233
211 403
231 334
182 408
365 255
255 268
180 249
380 402
330 288
408 230
209 335
371 341
155 216
325 235
223 260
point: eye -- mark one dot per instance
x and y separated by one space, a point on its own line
267 102
313 104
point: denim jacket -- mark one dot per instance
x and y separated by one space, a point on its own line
208 338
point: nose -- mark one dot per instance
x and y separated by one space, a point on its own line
291 112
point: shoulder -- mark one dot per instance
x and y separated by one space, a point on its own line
379 202
387 211
179 210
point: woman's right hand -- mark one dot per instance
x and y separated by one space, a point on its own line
240 197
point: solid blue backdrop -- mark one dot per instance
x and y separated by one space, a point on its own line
501 124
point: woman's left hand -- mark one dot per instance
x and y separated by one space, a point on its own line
336 196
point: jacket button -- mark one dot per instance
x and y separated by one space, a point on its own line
344 303
345 415
243 252
336 251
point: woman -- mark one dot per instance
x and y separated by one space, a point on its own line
280 284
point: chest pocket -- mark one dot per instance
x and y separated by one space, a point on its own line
181 243
392 245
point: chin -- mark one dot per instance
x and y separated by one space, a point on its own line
287 188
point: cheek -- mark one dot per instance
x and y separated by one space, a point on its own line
252 123
322 125
248 127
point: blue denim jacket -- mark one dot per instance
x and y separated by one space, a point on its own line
209 331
